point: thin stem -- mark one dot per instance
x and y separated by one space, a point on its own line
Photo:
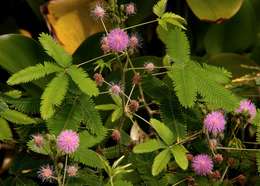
238 149
104 26
111 181
224 174
130 94
142 119
141 24
94 59
159 73
179 182
65 170
142 68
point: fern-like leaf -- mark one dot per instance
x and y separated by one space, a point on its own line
33 73
53 95
69 117
177 44
87 140
17 117
25 105
160 8
55 50
184 83
91 115
85 84
220 75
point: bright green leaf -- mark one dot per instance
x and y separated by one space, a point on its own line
148 146
160 161
179 153
106 107
5 132
17 117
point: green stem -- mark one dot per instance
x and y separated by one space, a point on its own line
94 59
141 24
179 182
104 26
224 174
111 181
65 170
238 149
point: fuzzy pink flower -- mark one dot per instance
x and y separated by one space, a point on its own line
246 106
72 170
117 40
104 45
38 140
130 9
116 135
215 122
68 141
202 164
99 79
149 67
99 12
115 89
46 173
134 41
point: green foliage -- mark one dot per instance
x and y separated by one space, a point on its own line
55 50
163 131
5 133
172 19
149 146
160 161
53 95
45 149
33 73
177 44
87 157
122 183
25 105
81 78
17 117
160 8
179 153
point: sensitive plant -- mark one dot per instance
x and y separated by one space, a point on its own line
169 120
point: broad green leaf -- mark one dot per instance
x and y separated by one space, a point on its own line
211 10
118 112
16 94
160 8
33 73
88 140
164 132
5 133
55 50
85 84
122 183
173 19
54 95
218 74
3 105
179 153
106 107
87 157
17 117
160 161
184 83
148 146
117 99
177 44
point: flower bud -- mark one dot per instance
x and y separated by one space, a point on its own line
218 158
116 135
136 79
99 79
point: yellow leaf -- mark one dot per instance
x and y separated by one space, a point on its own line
71 22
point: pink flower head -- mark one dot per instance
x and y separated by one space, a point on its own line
115 89
117 40
116 135
246 106
45 173
99 11
215 122
149 67
130 9
72 170
202 164
38 140
134 41
68 141
99 79
104 45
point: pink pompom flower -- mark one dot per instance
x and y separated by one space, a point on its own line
68 141
115 89
246 106
130 9
72 170
38 140
134 41
215 122
46 173
149 67
104 45
99 12
118 40
202 164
